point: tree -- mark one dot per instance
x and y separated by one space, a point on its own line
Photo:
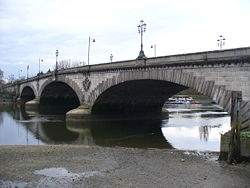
1 80
11 78
1 74
1 77
22 78
63 64
67 63
77 63
40 73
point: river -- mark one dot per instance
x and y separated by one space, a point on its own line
189 127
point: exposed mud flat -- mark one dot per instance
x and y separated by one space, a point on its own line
81 166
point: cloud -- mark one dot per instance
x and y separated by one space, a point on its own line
33 29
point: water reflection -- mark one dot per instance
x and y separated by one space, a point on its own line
204 132
35 128
195 127
126 133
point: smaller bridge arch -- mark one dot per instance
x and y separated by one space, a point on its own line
27 93
58 96
73 85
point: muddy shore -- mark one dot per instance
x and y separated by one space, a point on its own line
81 166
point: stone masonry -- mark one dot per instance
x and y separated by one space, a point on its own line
214 74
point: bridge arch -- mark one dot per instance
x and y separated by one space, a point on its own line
135 96
27 93
73 85
58 96
179 79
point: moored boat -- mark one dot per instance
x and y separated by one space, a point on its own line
181 99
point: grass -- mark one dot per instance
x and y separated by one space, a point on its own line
245 134
192 93
6 96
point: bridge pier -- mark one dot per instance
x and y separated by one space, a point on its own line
81 113
18 100
33 104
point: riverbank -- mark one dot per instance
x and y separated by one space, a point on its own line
6 99
81 166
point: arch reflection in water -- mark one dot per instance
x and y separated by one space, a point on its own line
189 127
124 133
42 128
22 127
49 129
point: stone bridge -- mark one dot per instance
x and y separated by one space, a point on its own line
140 86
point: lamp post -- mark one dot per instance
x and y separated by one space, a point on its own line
221 41
111 58
28 71
40 60
141 30
57 52
154 46
19 71
93 40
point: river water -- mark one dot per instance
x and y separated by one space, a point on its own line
189 127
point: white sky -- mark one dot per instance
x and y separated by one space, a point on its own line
33 29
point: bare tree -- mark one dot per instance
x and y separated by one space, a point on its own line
1 74
1 80
63 64
11 78
77 63
1 77
67 63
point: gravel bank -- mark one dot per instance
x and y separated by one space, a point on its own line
81 166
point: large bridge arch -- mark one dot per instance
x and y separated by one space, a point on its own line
175 76
135 97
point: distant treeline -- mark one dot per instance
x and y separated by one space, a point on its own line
6 96
192 93
188 92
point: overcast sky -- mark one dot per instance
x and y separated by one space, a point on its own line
33 29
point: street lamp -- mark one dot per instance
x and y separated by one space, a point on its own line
154 46
93 40
221 41
141 30
111 57
19 71
28 71
57 52
40 60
